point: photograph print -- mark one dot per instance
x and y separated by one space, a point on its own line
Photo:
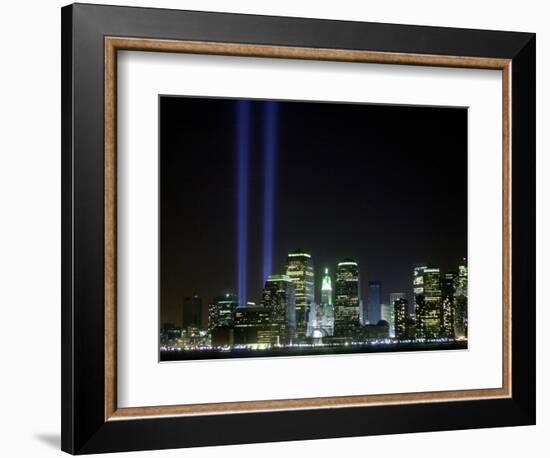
292 228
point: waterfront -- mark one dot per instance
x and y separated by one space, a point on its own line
181 355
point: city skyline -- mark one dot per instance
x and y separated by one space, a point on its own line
327 295
366 303
291 320
335 162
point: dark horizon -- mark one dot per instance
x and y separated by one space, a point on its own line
385 185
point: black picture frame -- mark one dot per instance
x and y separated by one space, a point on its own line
84 428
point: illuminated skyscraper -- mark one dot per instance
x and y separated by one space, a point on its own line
346 304
321 319
374 302
461 284
221 311
279 298
299 268
391 312
326 288
448 304
418 284
401 318
461 302
428 307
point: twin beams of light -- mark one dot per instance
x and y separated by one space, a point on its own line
243 158
270 163
242 147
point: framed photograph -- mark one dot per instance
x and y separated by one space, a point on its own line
270 222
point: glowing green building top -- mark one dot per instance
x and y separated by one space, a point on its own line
326 289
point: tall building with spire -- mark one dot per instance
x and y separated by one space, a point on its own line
326 288
346 303
299 268
321 319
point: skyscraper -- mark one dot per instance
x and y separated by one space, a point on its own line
221 311
374 302
390 312
321 319
461 285
418 285
299 268
448 280
428 307
279 298
346 307
461 302
401 318
326 288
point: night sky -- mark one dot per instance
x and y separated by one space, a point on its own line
383 184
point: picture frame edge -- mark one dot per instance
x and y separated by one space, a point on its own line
83 433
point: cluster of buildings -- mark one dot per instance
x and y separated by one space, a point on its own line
290 315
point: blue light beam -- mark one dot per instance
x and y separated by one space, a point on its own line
270 173
242 149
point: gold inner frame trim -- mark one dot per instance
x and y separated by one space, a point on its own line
114 44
